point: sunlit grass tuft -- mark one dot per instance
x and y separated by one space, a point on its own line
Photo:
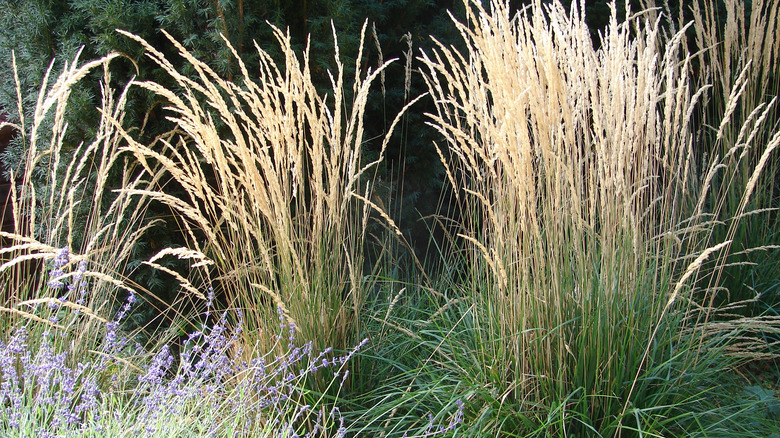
275 188
583 210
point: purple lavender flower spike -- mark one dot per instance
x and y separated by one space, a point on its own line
60 260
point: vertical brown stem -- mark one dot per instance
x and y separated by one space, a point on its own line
221 16
240 27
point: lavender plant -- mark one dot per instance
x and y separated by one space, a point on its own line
209 392
44 395
211 386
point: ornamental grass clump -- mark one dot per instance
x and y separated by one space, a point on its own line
67 217
585 216
275 188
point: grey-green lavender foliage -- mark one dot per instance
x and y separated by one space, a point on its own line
207 388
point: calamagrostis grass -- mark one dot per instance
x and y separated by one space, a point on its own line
273 182
577 179
67 218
